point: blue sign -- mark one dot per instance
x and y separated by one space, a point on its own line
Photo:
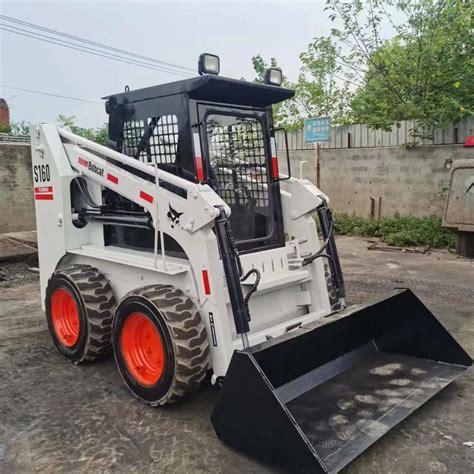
317 130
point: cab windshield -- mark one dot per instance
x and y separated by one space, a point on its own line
237 159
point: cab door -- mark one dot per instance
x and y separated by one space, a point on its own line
237 162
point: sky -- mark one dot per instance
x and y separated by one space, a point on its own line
176 32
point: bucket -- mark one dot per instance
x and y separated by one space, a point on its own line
317 397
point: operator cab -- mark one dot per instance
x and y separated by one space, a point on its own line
213 130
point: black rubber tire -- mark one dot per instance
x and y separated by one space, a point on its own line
95 302
332 293
183 335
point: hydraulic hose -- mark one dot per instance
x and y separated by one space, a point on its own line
82 186
329 250
232 276
319 253
253 288
243 277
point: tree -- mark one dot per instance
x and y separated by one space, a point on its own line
423 73
260 66
283 110
316 90
20 128
98 135
319 90
16 128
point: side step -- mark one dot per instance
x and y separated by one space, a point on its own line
317 397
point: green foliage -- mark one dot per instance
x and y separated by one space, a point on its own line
4 128
16 128
317 92
279 110
98 135
20 128
356 75
397 230
260 66
423 73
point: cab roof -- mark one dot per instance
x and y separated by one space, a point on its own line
212 89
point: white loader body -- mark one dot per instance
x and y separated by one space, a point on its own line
288 296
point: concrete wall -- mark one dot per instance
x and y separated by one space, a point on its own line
296 158
16 189
409 181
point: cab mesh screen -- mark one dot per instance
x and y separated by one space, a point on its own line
237 158
154 139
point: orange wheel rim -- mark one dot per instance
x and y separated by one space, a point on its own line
65 317
142 349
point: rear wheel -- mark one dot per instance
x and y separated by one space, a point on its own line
160 344
79 308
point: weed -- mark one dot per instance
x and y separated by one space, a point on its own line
397 230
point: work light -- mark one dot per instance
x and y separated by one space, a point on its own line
273 76
208 64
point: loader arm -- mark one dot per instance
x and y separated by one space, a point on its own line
101 164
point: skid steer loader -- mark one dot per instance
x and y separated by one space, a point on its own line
182 248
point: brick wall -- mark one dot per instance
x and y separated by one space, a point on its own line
4 113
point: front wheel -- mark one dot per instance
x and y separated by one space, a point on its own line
160 344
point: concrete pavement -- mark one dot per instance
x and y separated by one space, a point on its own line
55 416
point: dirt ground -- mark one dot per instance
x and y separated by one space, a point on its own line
57 417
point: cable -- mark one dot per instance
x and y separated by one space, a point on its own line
93 43
50 94
86 49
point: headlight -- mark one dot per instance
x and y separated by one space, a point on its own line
208 64
273 76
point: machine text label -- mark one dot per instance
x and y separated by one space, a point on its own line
41 173
95 169
213 330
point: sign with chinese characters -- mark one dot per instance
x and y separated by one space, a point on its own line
317 130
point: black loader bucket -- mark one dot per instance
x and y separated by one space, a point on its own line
317 397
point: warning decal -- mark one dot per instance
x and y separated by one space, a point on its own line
44 193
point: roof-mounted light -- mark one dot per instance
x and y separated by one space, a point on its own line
208 64
273 76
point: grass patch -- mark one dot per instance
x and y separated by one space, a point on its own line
397 230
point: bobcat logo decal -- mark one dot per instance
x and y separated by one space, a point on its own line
173 216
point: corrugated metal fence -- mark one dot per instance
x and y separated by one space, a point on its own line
361 136
353 136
